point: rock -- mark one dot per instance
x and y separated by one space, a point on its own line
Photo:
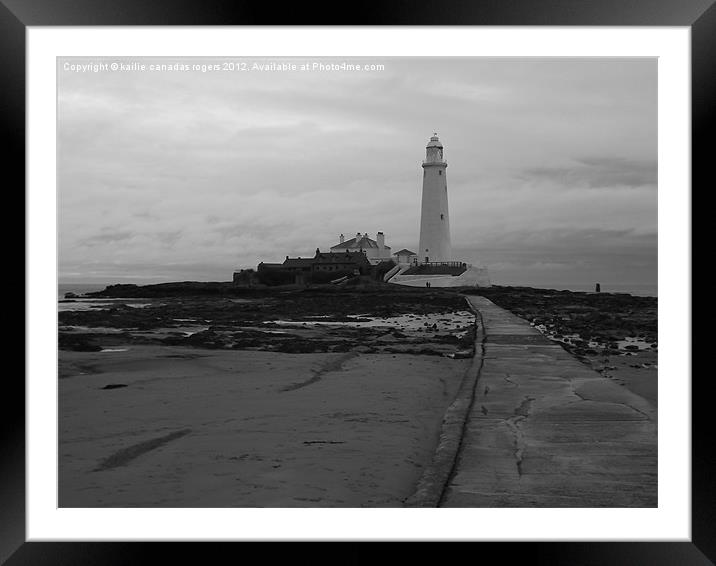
71 295
77 343
463 354
114 386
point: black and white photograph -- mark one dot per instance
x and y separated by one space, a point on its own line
346 282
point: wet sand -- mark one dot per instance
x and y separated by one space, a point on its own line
208 401
174 426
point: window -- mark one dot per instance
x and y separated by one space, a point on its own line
440 172
442 217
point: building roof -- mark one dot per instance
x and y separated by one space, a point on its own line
434 142
352 258
269 265
341 257
405 251
364 242
298 262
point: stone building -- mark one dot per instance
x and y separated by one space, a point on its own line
375 250
324 262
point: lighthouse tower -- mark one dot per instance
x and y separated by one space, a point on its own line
434 218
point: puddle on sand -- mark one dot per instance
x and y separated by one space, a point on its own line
165 332
639 343
92 329
629 343
87 304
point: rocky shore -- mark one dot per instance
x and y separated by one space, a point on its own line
265 398
600 329
194 394
292 321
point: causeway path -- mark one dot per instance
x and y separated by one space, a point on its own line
541 429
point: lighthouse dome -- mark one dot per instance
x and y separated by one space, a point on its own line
434 141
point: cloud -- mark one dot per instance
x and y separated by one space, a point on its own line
107 238
193 175
598 172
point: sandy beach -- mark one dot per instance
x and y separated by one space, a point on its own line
291 398
154 424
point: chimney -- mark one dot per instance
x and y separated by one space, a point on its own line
342 238
380 238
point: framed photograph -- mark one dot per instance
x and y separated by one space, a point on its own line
256 310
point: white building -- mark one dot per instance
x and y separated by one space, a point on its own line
434 216
375 250
434 265
405 257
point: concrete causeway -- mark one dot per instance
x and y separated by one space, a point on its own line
545 430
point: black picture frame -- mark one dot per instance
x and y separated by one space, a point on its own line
17 15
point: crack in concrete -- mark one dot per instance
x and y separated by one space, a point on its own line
633 408
508 380
517 439
524 407
521 412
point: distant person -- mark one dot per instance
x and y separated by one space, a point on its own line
598 288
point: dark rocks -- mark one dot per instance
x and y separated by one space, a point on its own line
114 386
77 343
249 322
463 354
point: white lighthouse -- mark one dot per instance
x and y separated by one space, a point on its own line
434 216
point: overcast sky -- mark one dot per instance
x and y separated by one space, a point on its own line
552 166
